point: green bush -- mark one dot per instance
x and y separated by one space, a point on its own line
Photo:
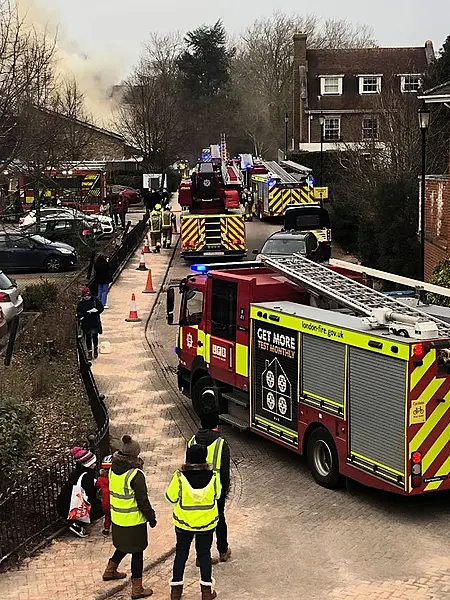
17 433
39 296
440 276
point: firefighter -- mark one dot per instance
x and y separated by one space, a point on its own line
248 205
219 458
166 227
194 491
155 228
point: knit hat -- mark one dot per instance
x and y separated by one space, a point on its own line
196 454
85 291
107 462
130 447
83 457
209 420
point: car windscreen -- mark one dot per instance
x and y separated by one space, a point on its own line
283 246
5 282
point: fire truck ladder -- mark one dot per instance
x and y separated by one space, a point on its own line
347 292
274 168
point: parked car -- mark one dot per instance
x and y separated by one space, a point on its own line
63 229
3 326
19 252
133 196
284 243
11 302
101 222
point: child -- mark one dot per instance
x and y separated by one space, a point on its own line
102 484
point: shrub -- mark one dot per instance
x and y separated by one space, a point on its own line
39 296
17 433
440 276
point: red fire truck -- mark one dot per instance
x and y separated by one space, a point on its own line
83 189
307 356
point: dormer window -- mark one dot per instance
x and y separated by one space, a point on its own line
410 84
331 85
369 84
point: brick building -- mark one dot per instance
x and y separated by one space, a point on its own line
347 87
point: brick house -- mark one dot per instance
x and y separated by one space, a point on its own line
437 198
347 87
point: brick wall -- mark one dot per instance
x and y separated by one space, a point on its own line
437 221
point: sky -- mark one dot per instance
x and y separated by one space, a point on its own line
111 33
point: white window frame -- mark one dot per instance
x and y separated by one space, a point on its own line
403 78
363 92
370 139
332 118
339 79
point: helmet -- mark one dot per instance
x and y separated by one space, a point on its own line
107 462
158 207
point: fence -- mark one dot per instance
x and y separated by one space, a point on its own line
29 509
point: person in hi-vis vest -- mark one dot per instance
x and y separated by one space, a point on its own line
194 492
219 458
166 227
130 512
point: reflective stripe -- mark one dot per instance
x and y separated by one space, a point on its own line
208 526
124 510
121 496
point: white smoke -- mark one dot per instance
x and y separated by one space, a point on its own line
95 75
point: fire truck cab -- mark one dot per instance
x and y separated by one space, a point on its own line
306 356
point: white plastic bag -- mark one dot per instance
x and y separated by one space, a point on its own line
80 508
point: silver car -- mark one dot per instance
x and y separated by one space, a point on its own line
11 302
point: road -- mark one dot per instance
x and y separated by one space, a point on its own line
291 538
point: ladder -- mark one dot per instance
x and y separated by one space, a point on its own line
347 292
223 148
273 167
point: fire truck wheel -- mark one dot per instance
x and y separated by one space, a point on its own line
205 396
323 461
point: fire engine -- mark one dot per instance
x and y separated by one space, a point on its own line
214 225
273 188
306 355
82 188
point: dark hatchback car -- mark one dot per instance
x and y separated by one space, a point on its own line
63 229
19 252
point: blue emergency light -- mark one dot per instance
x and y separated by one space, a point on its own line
199 268
310 180
206 156
270 182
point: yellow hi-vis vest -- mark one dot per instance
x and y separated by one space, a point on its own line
124 509
194 510
214 456
167 219
155 221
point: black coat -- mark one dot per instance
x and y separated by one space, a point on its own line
102 272
88 484
133 539
205 437
90 322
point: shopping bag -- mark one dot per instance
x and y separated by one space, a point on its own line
80 508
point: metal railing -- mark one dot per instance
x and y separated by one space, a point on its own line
28 509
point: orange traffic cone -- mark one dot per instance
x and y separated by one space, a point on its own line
146 245
149 286
142 266
133 316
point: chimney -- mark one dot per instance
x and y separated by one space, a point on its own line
429 52
299 87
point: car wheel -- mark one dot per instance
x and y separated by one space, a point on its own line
323 460
53 264
205 396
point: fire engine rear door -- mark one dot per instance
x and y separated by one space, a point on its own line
222 339
376 413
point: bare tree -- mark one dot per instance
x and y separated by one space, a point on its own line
150 115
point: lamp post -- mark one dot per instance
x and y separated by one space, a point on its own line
286 121
322 123
424 122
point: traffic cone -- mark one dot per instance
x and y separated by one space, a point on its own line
146 245
133 316
142 266
149 286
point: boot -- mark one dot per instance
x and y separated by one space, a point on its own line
111 572
214 561
138 591
176 590
89 354
95 351
208 592
224 556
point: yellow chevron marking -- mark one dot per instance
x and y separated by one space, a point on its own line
433 419
443 470
419 372
435 449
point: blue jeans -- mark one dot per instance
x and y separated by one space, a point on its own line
103 292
